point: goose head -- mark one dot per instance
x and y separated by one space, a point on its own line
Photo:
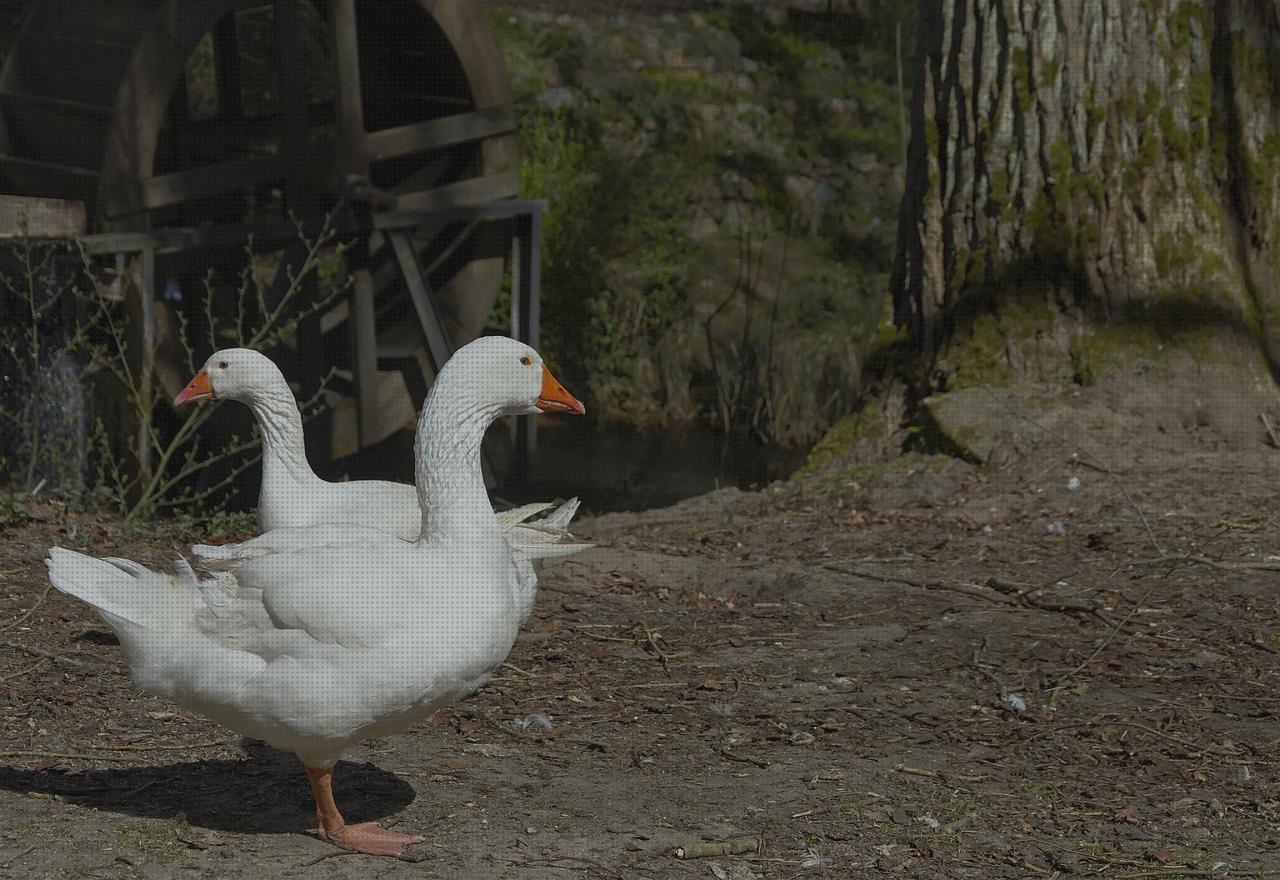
231 374
509 376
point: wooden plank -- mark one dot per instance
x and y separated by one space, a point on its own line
65 132
364 355
30 217
526 276
438 133
226 59
76 70
464 193
195 183
526 306
146 388
420 293
346 44
500 209
295 134
43 105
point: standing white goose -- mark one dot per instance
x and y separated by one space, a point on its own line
315 649
292 494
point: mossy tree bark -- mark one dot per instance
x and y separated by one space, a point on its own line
1123 149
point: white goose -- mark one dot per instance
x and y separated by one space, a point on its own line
292 494
315 649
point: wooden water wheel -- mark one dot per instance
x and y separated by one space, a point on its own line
183 113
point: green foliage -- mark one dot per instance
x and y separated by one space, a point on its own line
722 204
13 510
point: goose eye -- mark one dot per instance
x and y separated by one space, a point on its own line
222 365
526 360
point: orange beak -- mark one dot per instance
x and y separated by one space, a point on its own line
197 389
555 399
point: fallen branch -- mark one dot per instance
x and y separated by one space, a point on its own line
496 725
1271 434
710 849
1212 563
653 638
21 672
160 748
1191 872
553 862
1185 743
963 589
64 756
742 759
51 655
1102 646
14 624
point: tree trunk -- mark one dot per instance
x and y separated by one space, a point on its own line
1123 150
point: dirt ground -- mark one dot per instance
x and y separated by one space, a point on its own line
825 670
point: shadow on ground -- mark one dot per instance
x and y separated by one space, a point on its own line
267 793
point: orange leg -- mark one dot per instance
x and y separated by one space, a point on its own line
367 837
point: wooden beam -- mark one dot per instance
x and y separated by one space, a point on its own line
437 133
342 18
146 388
364 354
526 306
30 217
195 183
42 105
226 60
464 193
295 133
420 293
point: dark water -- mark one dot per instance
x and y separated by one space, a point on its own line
608 468
622 469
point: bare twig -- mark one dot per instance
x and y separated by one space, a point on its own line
964 589
43 661
177 747
1271 434
1102 646
1211 563
1089 725
45 652
14 624
64 756
726 752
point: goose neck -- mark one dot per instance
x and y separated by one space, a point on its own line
284 450
451 490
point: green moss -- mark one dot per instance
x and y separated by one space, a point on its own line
155 839
1049 72
1180 23
1177 140
1142 334
13 511
1108 346
842 437
1020 62
978 355
999 183
1200 97
1095 113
